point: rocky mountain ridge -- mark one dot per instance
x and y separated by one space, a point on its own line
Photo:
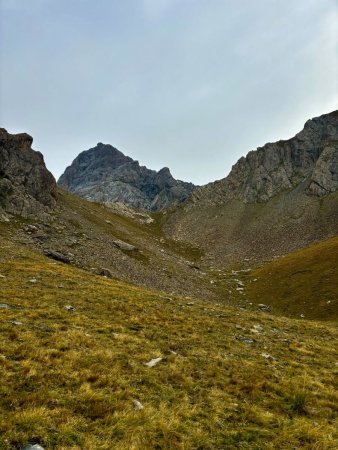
310 159
27 188
279 198
105 174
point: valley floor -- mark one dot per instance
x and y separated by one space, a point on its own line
74 349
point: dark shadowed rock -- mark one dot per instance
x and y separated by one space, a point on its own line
106 273
105 174
27 188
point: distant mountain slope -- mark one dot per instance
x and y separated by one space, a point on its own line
103 173
278 198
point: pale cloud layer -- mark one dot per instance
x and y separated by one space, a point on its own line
188 84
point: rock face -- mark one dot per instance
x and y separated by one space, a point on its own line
27 188
309 159
105 174
279 198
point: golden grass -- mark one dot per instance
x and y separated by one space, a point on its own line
303 282
69 378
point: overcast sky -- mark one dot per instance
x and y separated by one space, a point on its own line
188 84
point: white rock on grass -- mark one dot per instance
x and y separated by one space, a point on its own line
2 276
153 362
70 308
137 405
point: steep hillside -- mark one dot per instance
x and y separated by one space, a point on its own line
281 197
303 283
75 353
103 173
90 236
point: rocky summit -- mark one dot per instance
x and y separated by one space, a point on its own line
308 161
105 174
27 188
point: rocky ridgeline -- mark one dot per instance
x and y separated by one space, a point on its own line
309 161
105 174
27 188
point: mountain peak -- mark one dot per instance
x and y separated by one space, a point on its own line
103 173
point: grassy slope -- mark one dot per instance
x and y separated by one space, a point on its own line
69 378
303 282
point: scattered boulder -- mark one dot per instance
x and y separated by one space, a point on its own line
106 273
58 256
124 246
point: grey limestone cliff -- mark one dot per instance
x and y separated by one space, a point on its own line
105 174
27 188
309 160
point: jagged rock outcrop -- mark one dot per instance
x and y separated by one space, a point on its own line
27 188
105 174
281 197
309 159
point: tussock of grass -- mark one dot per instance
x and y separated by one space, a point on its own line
303 282
69 378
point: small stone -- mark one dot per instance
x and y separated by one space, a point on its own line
239 327
173 352
70 308
302 316
33 280
137 405
258 327
253 330
263 307
153 362
4 306
2 276
15 322
190 303
267 356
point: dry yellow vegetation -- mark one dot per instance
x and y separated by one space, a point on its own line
73 354
304 282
